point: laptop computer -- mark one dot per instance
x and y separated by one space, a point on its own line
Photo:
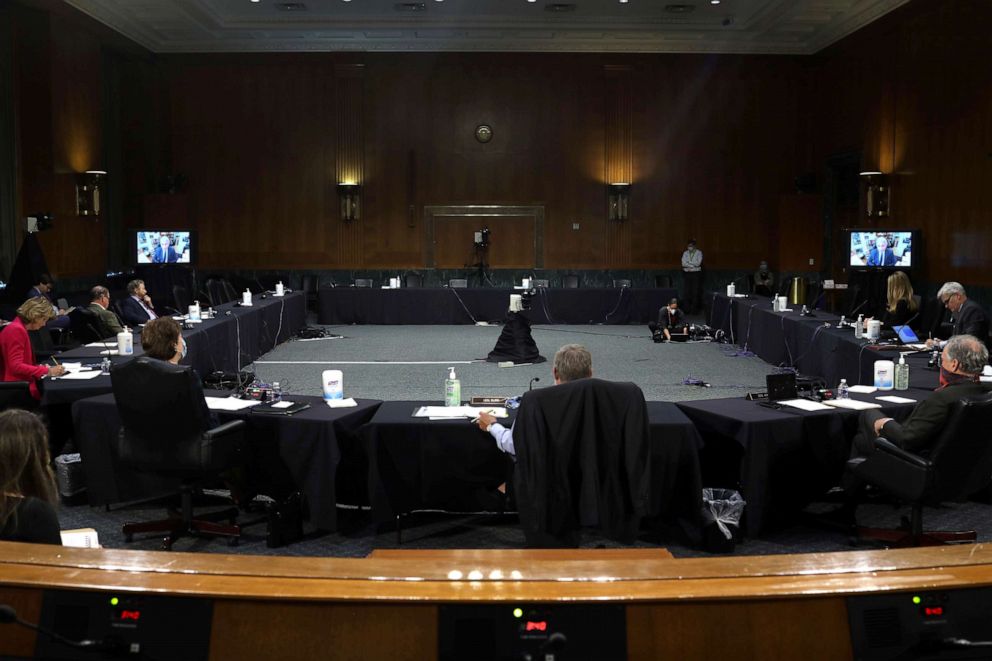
909 338
781 386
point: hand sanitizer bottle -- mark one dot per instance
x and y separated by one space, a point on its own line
452 389
859 327
902 373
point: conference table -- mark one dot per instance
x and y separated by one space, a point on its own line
422 464
426 306
235 337
813 345
309 451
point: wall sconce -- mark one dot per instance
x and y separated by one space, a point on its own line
351 206
618 199
876 193
89 189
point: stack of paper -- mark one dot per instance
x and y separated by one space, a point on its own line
855 404
230 403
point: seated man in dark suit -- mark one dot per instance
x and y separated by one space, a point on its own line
670 320
964 358
881 254
109 325
164 253
137 308
44 289
969 317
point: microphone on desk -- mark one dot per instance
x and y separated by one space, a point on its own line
530 386
114 646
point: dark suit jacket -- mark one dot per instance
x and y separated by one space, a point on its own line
671 321
582 453
888 259
34 521
110 325
970 319
169 256
133 313
923 426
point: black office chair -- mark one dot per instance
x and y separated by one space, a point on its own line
182 298
582 460
218 293
959 465
413 281
570 282
364 283
165 431
16 395
458 283
541 283
623 282
86 326
663 282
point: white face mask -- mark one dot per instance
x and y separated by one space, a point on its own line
182 350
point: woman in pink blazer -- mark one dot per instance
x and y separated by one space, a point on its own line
16 356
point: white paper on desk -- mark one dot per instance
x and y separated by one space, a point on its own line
804 404
895 399
864 390
346 403
284 404
110 352
72 367
230 403
855 404
102 345
80 376
458 411
82 538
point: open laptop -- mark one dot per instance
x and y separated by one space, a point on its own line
909 338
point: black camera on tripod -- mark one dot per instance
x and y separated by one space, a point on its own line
482 238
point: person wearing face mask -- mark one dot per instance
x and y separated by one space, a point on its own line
670 320
161 339
963 359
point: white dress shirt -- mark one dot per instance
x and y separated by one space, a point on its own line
504 438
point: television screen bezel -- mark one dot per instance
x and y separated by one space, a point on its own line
915 234
193 246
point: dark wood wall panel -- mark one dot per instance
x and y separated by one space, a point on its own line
914 90
706 142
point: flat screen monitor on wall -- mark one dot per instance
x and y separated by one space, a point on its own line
895 249
164 247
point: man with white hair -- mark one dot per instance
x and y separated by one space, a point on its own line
969 317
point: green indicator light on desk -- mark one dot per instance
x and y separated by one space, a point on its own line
518 612
114 601
917 600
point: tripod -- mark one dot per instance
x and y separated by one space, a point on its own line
481 266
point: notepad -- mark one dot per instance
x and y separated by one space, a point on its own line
348 402
455 412
804 404
854 404
895 399
79 376
864 390
83 538
230 403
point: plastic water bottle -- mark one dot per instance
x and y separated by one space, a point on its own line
859 327
902 373
843 392
842 322
105 365
452 389
275 394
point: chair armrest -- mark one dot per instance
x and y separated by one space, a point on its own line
884 445
226 429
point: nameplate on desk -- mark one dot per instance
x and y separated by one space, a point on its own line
756 396
488 401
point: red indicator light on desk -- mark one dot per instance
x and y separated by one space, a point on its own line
536 626
130 615
933 611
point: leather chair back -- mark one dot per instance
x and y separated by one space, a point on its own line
413 281
182 298
16 395
570 282
962 456
582 459
86 326
163 418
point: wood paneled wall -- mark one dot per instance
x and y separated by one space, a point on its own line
707 142
914 92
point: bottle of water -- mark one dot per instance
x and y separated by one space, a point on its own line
105 365
452 389
843 392
275 394
842 322
859 327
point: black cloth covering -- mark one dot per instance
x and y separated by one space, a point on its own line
516 343
582 459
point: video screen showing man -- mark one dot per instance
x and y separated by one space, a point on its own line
163 248
881 249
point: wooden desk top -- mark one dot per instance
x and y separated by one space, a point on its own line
487 575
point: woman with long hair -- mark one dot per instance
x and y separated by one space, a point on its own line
28 494
900 306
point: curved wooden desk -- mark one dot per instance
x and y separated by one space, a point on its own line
385 606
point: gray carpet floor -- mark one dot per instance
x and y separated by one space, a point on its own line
410 362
